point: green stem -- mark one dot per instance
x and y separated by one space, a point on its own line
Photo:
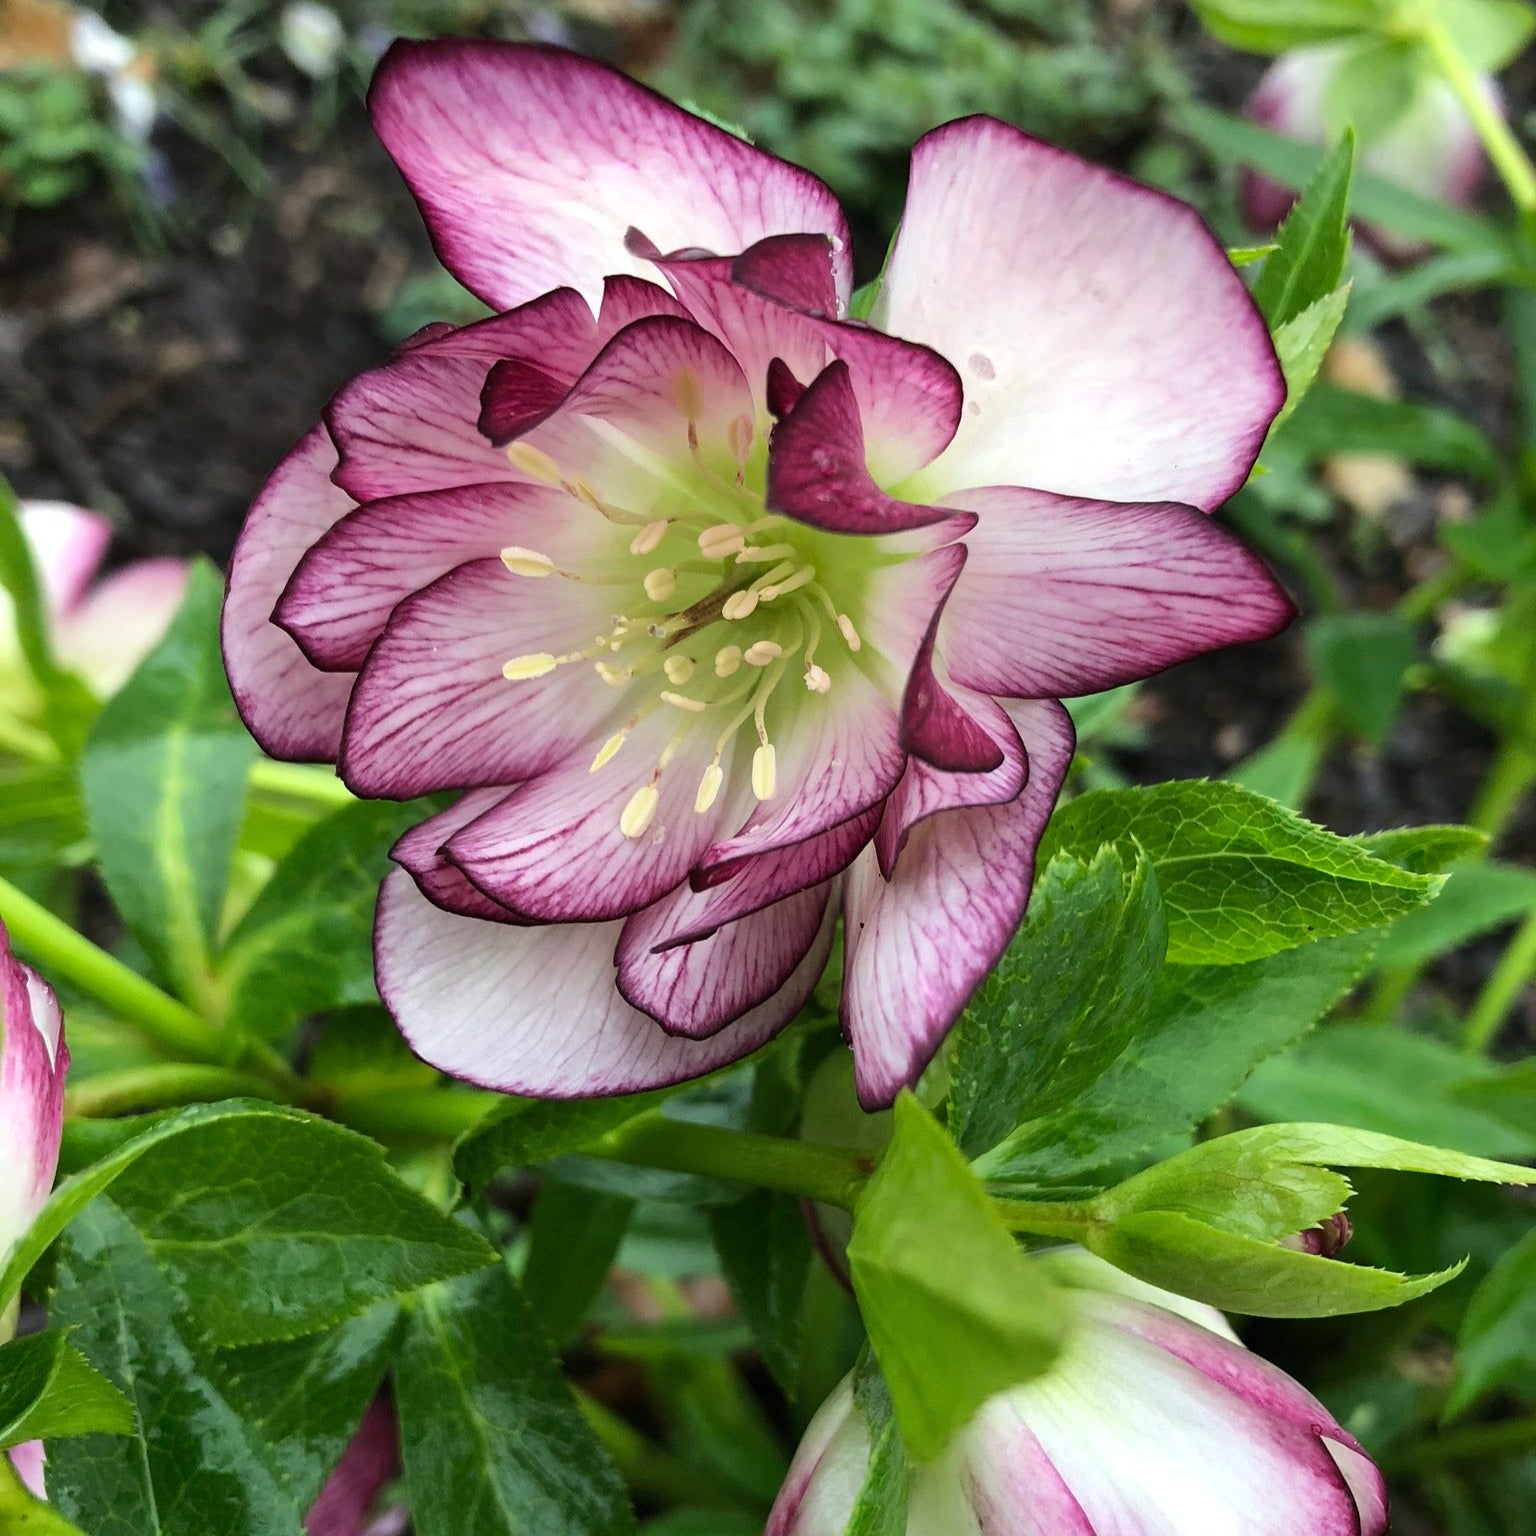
1512 773
1476 1443
1504 149
833 1175
1502 988
430 1114
299 781
160 1087
70 956
1045 1218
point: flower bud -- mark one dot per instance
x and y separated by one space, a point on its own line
1325 1239
1429 147
1154 1416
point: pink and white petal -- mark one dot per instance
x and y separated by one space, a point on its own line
818 471
516 396
412 426
530 163
1108 346
919 944
555 330
1062 596
840 759
553 850
829 1467
1366 1485
370 1462
1147 1445
30 1462
1015 1488
34 1062
925 791
432 709
697 989
120 621
797 271
627 298
67 544
534 1010
291 708
420 852
341 595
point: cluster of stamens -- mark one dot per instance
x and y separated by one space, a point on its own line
688 633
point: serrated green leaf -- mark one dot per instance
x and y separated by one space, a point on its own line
22 1515
522 1132
572 1241
880 1508
1497 1343
765 1256
1362 659
1065 1000
1241 877
1427 850
1302 343
954 1312
1208 1028
48 1392
1312 243
306 944
1276 26
520 1461
163 775
194 1466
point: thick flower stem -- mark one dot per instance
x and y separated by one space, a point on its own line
167 1085
1501 989
1504 149
832 1175
299 781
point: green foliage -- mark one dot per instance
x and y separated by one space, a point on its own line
954 1311
1497 1343
1312 244
881 1506
765 1255
1333 420
1275 26
519 1461
48 1391
1362 659
572 1242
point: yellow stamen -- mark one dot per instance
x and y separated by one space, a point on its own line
660 584
765 771
608 749
727 660
761 652
648 537
682 701
534 463
521 668
526 562
709 788
678 669
739 605
636 816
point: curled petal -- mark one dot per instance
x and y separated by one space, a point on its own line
292 709
577 154
67 545
1107 345
534 1010
116 625
420 851
919 944
1062 596
370 1462
797 271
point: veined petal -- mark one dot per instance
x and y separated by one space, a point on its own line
925 791
1062 596
534 1010
337 601
829 1468
33 1064
441 881
116 625
1107 345
67 545
554 850
1015 1488
555 330
432 709
696 989
919 944
292 709
818 470
1366 1485
797 271
578 154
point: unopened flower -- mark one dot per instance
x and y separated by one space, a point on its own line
1154 1418
101 629
33 1064
1325 1239
726 613
1430 147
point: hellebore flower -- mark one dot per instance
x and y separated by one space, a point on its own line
1155 1418
33 1064
102 630
1430 147
371 1461
728 613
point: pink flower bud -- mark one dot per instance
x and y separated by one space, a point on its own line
1325 1239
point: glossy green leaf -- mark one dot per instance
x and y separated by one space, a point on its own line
1432 849
572 1241
519 1460
48 1391
163 777
1497 1343
1069 994
955 1314
1312 244
1241 877
522 1132
1275 26
765 1256
22 1515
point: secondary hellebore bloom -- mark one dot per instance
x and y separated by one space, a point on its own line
1154 1418
728 613
101 629
33 1064
1431 147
